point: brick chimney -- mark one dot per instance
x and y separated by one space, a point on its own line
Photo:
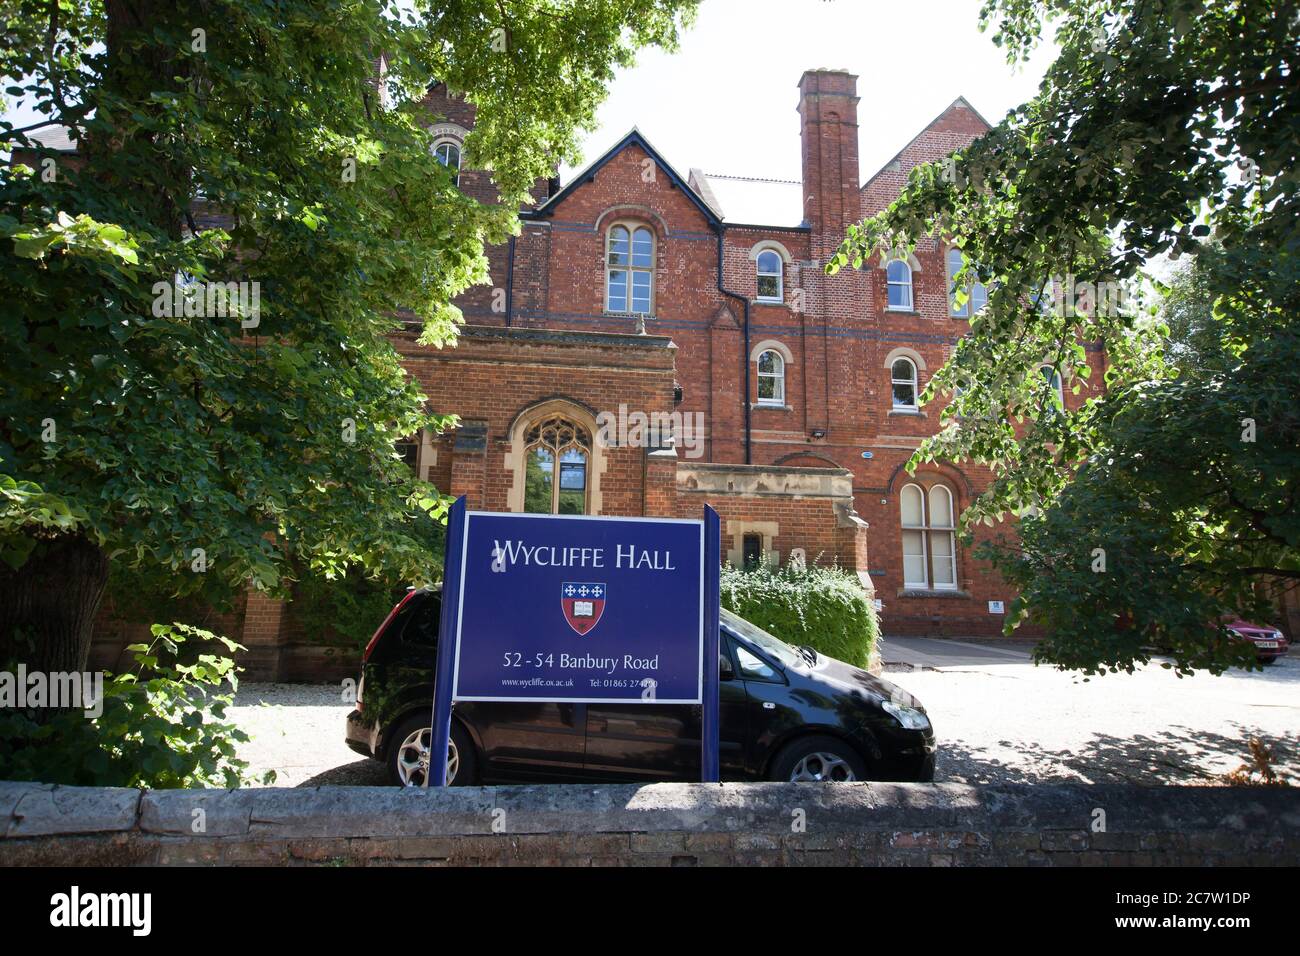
828 109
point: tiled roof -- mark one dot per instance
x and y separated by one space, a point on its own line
752 200
53 136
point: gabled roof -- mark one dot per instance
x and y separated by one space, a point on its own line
960 101
588 173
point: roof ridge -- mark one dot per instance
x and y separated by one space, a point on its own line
753 179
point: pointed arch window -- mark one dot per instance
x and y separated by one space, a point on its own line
557 460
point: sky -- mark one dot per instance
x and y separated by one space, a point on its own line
725 101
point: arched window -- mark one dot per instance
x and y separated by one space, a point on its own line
903 381
976 295
448 153
629 278
557 456
1053 378
929 538
771 378
898 276
771 283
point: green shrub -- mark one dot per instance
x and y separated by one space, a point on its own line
826 608
161 727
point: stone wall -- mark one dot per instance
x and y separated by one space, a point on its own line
659 824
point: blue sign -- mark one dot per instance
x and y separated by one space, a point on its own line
579 609
574 609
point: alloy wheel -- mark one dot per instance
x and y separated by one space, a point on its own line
413 758
822 766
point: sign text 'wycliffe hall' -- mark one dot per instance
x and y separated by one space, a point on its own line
507 553
580 609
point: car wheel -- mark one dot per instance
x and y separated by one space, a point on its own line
408 757
818 759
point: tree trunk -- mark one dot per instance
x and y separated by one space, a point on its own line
48 606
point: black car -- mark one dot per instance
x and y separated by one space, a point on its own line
786 713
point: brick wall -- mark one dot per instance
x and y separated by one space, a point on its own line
862 824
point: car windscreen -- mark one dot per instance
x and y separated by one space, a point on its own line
778 650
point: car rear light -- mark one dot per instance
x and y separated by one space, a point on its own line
365 657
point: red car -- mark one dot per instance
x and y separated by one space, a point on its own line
1270 643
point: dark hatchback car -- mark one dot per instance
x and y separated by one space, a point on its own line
786 713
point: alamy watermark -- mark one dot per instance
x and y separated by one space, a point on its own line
64 690
637 429
209 300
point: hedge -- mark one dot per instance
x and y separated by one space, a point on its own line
825 607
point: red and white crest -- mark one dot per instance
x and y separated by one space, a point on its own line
583 603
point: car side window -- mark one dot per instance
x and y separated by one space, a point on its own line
422 625
753 667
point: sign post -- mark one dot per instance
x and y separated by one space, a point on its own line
440 738
709 765
577 609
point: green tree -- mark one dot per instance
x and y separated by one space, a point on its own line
1195 344
211 447
1169 499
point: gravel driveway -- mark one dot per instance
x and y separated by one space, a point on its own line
998 718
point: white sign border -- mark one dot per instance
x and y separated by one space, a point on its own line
460 616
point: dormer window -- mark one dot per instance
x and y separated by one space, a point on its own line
629 276
771 281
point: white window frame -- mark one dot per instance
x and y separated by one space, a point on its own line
909 304
914 381
928 529
778 376
759 273
967 309
448 142
629 270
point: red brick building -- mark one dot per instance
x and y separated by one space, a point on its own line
705 295
788 398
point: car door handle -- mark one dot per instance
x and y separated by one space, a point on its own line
768 705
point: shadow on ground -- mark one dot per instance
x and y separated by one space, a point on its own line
359 773
1179 755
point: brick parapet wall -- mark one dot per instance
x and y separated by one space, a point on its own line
867 824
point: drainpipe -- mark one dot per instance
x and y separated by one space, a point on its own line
510 280
744 357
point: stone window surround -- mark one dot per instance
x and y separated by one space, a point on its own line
515 463
767 530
